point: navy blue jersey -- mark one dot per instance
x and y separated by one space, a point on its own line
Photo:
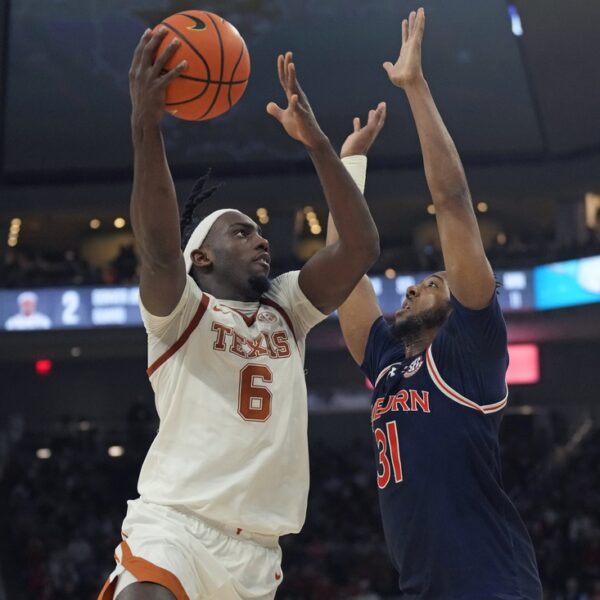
451 530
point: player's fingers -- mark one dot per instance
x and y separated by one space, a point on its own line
164 57
292 80
275 111
411 22
290 73
173 73
420 23
404 31
280 70
289 57
295 85
381 114
356 124
149 50
388 66
137 53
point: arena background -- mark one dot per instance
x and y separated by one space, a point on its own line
519 88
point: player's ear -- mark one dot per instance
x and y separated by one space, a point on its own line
201 258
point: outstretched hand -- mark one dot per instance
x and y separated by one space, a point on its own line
147 79
407 69
361 139
298 118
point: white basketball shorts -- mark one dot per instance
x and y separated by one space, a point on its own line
194 559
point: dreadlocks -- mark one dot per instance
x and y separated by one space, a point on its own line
190 216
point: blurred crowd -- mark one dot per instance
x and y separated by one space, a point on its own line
519 251
22 268
61 516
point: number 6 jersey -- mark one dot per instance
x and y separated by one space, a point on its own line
230 393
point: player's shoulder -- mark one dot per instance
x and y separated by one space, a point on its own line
286 295
283 284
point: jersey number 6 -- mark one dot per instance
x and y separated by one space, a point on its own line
381 438
254 401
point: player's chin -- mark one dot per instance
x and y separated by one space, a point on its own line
401 315
260 267
259 282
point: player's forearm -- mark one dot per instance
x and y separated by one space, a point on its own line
154 210
357 313
443 168
355 230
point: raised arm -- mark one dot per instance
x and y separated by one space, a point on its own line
331 274
470 276
360 310
153 209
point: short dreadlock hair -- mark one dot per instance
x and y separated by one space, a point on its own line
191 215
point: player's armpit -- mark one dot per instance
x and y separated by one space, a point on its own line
357 315
161 285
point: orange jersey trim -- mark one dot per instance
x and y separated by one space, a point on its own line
182 339
454 395
144 571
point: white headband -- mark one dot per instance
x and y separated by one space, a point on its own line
199 235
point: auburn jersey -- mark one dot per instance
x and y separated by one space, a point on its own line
451 530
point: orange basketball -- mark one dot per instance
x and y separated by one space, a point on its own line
218 65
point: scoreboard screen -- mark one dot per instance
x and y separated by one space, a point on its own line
88 307
545 287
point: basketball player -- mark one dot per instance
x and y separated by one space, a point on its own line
227 473
439 377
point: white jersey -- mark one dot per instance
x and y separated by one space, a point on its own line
231 396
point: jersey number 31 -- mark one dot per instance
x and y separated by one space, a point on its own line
385 439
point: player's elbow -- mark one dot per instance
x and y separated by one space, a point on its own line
370 249
362 256
444 199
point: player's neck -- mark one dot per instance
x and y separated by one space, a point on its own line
419 342
225 291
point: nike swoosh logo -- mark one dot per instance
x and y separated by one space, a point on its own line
278 576
198 23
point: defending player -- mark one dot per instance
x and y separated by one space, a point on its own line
227 473
439 377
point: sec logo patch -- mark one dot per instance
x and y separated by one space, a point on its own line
414 366
266 317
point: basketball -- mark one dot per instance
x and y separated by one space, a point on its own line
218 65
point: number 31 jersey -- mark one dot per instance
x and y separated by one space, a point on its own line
451 529
231 396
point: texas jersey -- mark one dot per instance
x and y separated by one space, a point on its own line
451 530
230 393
